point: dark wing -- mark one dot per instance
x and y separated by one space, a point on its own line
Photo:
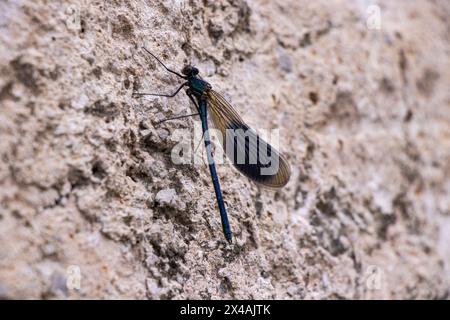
249 153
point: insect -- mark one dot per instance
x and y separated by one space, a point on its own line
249 153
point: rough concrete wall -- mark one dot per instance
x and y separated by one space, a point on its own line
87 182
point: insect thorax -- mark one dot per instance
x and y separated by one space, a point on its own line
198 86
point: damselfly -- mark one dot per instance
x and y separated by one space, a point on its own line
248 152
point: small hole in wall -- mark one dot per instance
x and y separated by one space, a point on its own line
313 96
82 26
98 170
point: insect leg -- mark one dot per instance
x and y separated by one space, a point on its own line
138 94
193 100
198 109
179 117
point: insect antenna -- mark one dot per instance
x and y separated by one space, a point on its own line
171 71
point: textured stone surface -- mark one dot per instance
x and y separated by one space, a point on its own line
87 182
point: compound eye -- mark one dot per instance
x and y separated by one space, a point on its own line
194 71
186 70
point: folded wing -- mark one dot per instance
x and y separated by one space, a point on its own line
249 153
